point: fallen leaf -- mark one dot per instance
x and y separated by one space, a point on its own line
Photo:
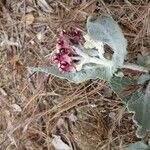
40 36
29 18
16 108
28 9
60 122
45 6
59 144
72 117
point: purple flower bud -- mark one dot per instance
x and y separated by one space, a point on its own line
66 67
63 58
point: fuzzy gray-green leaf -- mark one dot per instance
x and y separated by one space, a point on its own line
139 104
143 60
137 146
118 85
137 101
106 29
143 78
85 74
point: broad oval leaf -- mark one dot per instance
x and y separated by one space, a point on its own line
139 104
137 146
59 144
106 29
121 86
143 78
143 60
86 73
136 100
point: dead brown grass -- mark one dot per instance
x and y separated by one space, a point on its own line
103 123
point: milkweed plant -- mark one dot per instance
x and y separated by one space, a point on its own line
79 57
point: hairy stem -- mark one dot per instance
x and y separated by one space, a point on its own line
85 58
135 67
106 63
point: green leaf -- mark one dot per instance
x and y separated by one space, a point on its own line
139 104
92 52
88 72
143 60
143 78
106 30
137 146
118 85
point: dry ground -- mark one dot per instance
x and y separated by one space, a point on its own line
34 107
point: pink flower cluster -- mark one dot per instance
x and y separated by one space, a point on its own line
64 57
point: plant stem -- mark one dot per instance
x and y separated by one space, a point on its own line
135 67
106 63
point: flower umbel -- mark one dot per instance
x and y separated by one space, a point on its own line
69 38
71 55
64 61
66 57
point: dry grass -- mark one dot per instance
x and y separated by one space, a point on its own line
103 123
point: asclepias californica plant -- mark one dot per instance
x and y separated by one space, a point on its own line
79 57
